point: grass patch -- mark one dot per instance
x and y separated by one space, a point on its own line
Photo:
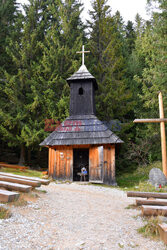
40 191
21 202
26 172
132 206
138 179
4 213
150 229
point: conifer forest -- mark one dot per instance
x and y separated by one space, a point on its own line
38 45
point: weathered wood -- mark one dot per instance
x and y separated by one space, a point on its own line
42 181
162 121
162 228
95 170
6 165
151 202
15 186
61 163
153 120
163 136
20 181
8 196
154 210
147 195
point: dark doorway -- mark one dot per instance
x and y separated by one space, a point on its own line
81 159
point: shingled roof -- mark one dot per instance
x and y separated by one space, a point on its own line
82 74
81 130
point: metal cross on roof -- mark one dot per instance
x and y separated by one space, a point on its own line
83 54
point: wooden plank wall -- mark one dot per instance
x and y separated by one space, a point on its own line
61 163
95 173
109 164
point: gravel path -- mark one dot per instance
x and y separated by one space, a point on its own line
73 216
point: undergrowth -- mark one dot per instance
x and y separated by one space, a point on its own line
4 213
150 229
138 179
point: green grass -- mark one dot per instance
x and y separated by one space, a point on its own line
4 213
26 172
150 229
138 179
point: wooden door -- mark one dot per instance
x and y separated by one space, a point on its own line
96 164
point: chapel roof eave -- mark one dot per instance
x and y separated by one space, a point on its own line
81 75
82 131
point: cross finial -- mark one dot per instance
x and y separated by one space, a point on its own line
83 54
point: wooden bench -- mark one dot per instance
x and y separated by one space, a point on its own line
15 186
151 202
6 165
20 181
154 210
42 181
8 196
162 228
147 195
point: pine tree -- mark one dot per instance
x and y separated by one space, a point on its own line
60 59
150 53
9 15
130 37
44 58
20 113
108 63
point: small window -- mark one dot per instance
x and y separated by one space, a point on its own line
80 92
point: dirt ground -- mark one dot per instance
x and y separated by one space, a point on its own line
73 216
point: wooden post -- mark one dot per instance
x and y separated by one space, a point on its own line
162 121
163 137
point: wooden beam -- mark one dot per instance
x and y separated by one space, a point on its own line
147 195
6 165
15 186
154 120
20 181
151 202
8 196
162 228
42 181
154 210
163 137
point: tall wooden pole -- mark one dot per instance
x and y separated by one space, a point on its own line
163 137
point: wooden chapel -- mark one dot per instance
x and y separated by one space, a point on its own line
82 140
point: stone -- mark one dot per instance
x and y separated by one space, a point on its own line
157 177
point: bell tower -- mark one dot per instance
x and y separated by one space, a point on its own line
82 90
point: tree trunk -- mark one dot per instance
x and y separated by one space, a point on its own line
22 156
29 156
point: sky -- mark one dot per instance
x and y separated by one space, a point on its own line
127 8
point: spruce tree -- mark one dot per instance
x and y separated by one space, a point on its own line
44 58
21 108
9 15
60 60
108 63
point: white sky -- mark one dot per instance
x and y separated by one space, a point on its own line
127 8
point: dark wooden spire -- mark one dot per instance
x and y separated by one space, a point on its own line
82 90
